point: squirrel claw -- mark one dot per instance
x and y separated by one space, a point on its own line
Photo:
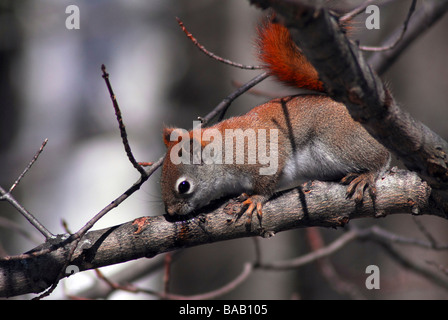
358 183
253 203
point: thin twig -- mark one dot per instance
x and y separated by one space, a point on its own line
166 295
211 54
312 256
400 37
123 280
28 167
123 133
425 232
258 254
427 15
413 266
439 267
350 15
247 270
6 196
34 222
116 286
261 93
167 274
385 235
136 186
144 175
145 164
222 107
327 269
17 227
81 232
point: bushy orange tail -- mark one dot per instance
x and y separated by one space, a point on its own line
284 59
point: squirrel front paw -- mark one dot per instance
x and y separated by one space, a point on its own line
249 204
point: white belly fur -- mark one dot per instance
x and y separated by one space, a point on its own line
312 162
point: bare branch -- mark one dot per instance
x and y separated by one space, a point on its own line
222 107
349 79
427 234
7 196
440 267
100 289
327 269
350 15
211 54
317 204
124 135
377 232
399 38
76 238
422 270
312 256
167 274
143 177
28 167
247 270
426 16
19 228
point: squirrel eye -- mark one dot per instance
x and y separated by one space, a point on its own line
183 187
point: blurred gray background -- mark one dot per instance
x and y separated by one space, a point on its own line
51 87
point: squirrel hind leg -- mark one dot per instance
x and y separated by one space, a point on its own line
358 183
249 204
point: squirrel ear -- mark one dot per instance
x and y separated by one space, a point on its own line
167 136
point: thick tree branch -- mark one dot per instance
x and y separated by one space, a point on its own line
349 79
315 204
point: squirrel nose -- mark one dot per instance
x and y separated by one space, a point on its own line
169 210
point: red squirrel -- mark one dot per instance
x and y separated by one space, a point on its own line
315 138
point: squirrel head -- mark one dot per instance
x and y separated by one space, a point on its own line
187 183
202 165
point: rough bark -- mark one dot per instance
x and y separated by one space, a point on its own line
315 204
